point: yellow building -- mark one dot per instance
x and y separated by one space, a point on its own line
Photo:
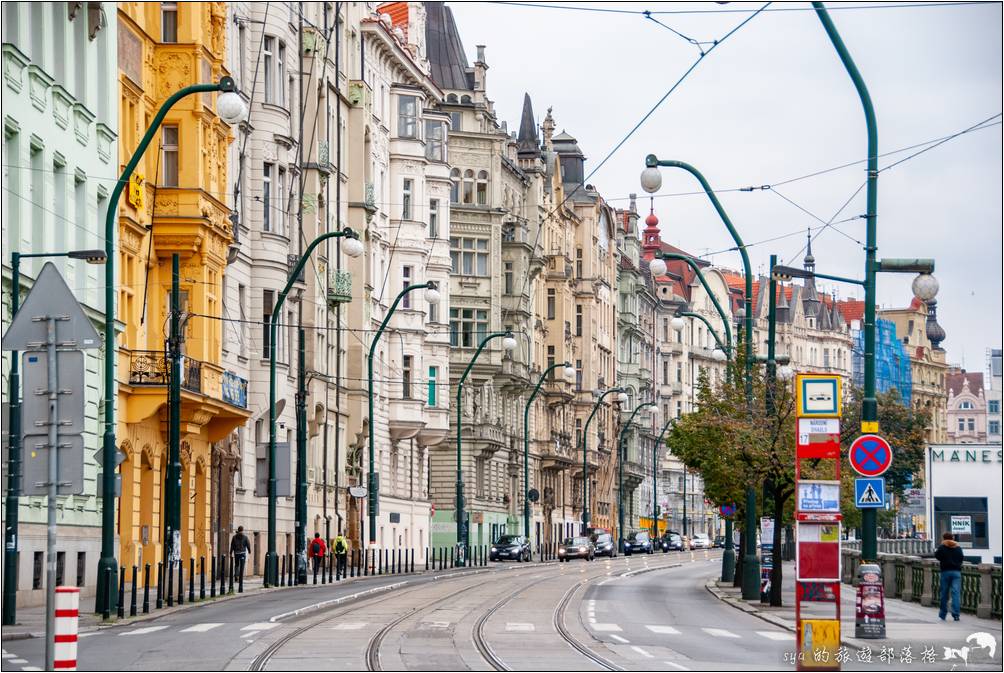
176 204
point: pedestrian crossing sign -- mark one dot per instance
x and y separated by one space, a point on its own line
869 493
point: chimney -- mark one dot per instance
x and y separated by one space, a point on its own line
480 68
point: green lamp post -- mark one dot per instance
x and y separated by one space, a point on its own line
622 398
373 487
655 480
569 375
509 344
621 450
232 110
651 181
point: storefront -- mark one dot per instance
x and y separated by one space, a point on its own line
964 496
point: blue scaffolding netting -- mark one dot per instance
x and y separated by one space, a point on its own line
892 363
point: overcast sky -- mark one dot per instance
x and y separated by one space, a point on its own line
773 102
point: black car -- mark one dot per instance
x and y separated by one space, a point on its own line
638 543
605 544
511 547
671 541
576 547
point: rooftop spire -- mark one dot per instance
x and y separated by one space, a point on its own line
528 142
810 261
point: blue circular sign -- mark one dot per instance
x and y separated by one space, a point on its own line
870 455
726 510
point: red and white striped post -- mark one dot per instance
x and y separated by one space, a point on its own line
67 618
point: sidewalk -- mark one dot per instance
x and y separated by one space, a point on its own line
908 625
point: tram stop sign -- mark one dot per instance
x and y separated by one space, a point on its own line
870 455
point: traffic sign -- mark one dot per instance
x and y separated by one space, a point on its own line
726 510
870 455
70 465
50 296
869 493
818 438
817 395
357 491
533 495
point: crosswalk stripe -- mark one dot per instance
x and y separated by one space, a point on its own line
260 626
18 661
775 635
665 630
616 637
641 652
349 626
144 630
679 667
720 633
202 628
605 627
519 626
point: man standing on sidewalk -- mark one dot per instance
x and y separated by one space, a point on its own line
239 547
317 551
341 554
949 555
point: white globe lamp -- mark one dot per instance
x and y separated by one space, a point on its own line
677 323
657 267
651 179
231 108
352 247
925 287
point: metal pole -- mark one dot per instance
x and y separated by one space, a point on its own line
301 463
462 532
621 450
585 455
172 489
707 288
11 513
372 494
526 445
869 410
107 561
655 471
53 485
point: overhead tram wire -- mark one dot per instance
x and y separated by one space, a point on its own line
669 92
784 7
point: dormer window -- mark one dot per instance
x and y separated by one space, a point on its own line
407 116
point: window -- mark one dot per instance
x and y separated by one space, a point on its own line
405 282
665 370
550 360
468 327
267 50
965 404
578 320
433 383
169 155
482 188
679 372
435 134
962 425
280 194
507 277
406 193
267 303
280 74
266 197
433 312
406 377
468 186
168 22
407 116
81 568
469 256
455 185
578 262
971 424
665 329
578 374
61 568
993 427
456 121
993 407
36 573
433 218
550 303
949 509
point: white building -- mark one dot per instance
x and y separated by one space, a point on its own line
964 486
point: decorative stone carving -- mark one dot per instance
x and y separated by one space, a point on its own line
167 204
38 87
130 54
105 137
62 103
14 63
82 118
175 71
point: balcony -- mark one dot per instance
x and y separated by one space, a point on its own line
437 426
151 368
339 287
406 418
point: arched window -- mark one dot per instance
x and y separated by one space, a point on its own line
455 185
465 99
468 186
452 98
482 188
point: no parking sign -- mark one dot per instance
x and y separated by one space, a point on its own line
870 455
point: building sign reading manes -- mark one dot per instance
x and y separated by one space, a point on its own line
966 455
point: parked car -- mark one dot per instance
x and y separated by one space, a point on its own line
700 541
671 541
512 547
719 541
576 547
638 542
605 544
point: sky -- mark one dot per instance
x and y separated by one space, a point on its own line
773 102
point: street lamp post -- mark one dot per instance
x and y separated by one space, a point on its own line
621 447
622 398
373 488
651 180
569 375
655 472
353 247
509 344
14 432
232 110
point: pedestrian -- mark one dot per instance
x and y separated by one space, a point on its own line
949 555
316 552
239 547
341 554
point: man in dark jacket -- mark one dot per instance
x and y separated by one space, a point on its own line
949 555
239 547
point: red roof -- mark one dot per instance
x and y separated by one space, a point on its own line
852 309
954 382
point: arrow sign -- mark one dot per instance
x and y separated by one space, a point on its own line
50 296
870 455
869 493
120 456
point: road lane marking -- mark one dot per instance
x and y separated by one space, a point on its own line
616 637
519 626
348 626
7 655
202 628
605 627
30 668
86 635
641 652
775 635
665 630
260 626
720 633
675 665
435 625
17 661
143 631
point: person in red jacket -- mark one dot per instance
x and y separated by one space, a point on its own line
317 550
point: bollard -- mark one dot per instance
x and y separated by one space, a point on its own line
240 577
230 580
132 603
202 578
212 577
412 560
106 613
452 556
379 561
169 575
146 589
282 572
442 557
292 571
121 602
67 613
394 566
181 582
324 567
160 585
191 580
426 558
366 562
